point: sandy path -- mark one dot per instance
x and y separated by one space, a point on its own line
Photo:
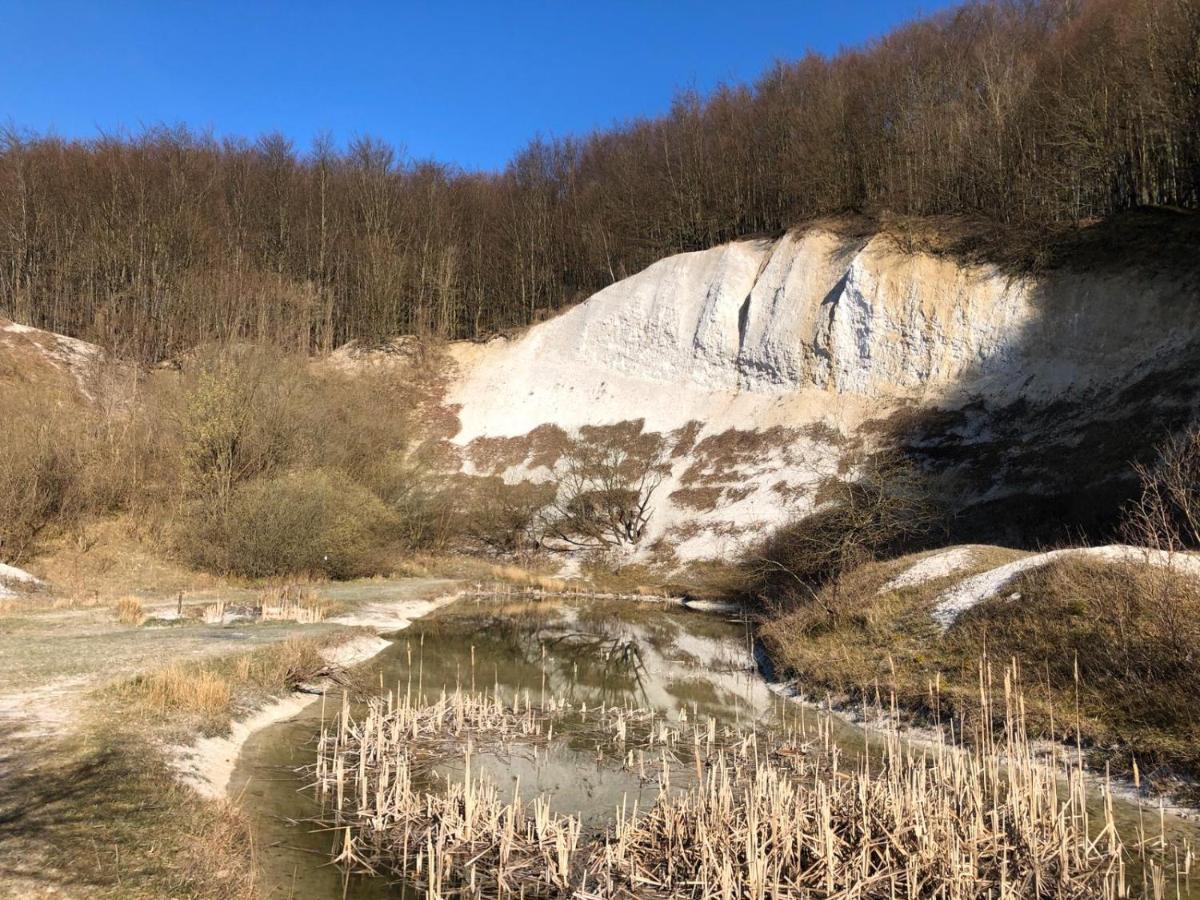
50 660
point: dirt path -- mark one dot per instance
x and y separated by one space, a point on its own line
82 815
51 660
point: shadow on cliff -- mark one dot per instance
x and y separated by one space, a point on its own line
1035 473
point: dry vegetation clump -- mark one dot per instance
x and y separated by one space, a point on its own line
292 601
700 499
717 458
524 577
1115 647
129 611
184 689
683 438
739 813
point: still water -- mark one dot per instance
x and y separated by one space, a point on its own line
676 662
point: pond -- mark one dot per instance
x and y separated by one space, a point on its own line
682 666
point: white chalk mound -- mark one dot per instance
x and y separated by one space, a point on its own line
12 578
938 565
975 590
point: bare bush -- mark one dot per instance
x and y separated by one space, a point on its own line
605 491
1167 514
237 419
502 518
881 507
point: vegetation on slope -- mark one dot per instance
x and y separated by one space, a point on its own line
1032 115
1109 649
246 462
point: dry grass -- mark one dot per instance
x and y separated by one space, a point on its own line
519 575
129 611
1123 638
1128 631
191 690
205 694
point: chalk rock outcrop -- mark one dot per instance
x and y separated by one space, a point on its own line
814 334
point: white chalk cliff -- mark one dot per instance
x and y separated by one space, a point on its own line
817 328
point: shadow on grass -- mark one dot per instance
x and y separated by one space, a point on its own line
103 817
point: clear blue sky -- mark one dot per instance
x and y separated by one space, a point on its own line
462 82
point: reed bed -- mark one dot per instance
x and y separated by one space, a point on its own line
740 814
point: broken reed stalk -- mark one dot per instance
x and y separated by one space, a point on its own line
753 815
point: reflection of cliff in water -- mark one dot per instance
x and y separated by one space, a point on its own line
584 658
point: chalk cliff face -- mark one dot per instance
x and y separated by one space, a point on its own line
804 339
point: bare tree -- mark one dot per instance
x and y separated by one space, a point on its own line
1167 514
605 493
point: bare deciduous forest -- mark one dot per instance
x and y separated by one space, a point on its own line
1035 114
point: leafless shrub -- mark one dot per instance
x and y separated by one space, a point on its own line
1167 514
881 505
605 492
498 517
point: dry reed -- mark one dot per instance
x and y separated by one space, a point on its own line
752 814
292 602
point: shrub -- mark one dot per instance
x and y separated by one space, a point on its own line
36 480
501 518
1167 514
886 506
310 522
605 491
237 419
62 457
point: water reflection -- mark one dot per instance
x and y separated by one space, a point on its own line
672 661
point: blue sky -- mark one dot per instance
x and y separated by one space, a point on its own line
462 82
